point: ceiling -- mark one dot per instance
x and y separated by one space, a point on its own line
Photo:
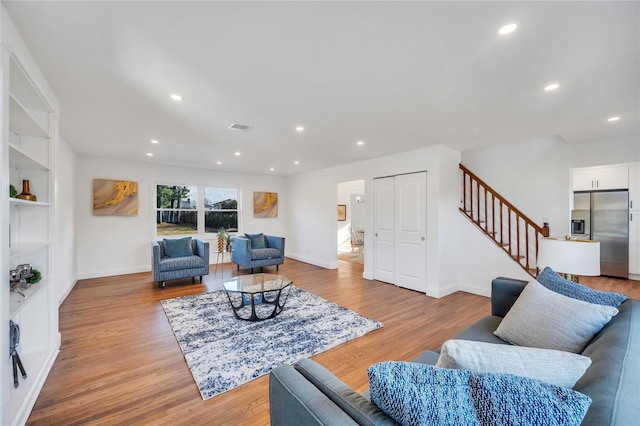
395 75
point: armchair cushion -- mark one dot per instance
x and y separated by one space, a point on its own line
177 263
178 247
257 240
265 253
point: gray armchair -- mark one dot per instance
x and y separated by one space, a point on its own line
257 252
175 264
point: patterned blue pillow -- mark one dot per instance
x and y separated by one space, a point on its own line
257 241
180 247
420 394
554 282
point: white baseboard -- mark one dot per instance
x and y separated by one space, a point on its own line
475 289
634 277
315 262
112 272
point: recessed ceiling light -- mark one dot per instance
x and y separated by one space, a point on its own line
360 142
271 169
613 119
236 154
299 129
149 154
508 29
296 162
155 141
552 86
176 97
218 162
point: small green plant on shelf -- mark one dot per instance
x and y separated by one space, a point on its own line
35 277
12 191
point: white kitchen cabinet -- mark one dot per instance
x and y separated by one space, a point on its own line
600 178
29 143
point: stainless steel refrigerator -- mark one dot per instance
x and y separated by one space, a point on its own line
604 216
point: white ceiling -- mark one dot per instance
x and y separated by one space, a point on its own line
396 75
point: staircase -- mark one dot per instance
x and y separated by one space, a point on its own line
507 226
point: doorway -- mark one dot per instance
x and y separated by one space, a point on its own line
351 195
400 224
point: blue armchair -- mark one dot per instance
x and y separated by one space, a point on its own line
257 251
183 258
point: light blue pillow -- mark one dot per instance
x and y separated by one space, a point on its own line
257 241
180 247
420 394
554 282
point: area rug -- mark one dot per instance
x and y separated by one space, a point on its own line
224 352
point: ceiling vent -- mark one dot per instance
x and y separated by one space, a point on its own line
238 126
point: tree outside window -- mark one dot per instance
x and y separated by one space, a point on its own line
176 210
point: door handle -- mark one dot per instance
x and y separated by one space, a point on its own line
376 234
422 238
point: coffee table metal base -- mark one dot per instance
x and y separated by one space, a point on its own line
260 299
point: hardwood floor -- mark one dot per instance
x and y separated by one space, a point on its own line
119 362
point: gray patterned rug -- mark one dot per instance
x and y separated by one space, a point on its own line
224 352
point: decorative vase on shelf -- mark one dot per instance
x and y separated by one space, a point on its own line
26 194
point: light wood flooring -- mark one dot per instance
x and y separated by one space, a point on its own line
119 362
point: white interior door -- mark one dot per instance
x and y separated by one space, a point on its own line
400 230
384 227
410 247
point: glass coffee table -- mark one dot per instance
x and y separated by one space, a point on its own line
257 297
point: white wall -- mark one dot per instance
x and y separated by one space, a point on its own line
114 245
535 176
311 230
65 231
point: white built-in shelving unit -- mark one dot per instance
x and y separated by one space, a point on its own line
29 144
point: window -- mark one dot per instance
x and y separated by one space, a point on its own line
181 211
220 209
176 210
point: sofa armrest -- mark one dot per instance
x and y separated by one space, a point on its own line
156 252
202 248
241 250
504 293
275 242
294 401
359 408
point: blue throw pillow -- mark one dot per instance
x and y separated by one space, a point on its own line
257 240
180 247
420 394
554 282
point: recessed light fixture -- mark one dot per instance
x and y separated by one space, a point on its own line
149 154
508 29
360 142
218 162
299 129
613 118
552 86
236 154
155 141
271 169
296 162
176 97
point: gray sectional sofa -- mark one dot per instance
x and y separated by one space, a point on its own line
308 394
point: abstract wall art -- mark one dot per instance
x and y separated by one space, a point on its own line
342 212
265 204
115 197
